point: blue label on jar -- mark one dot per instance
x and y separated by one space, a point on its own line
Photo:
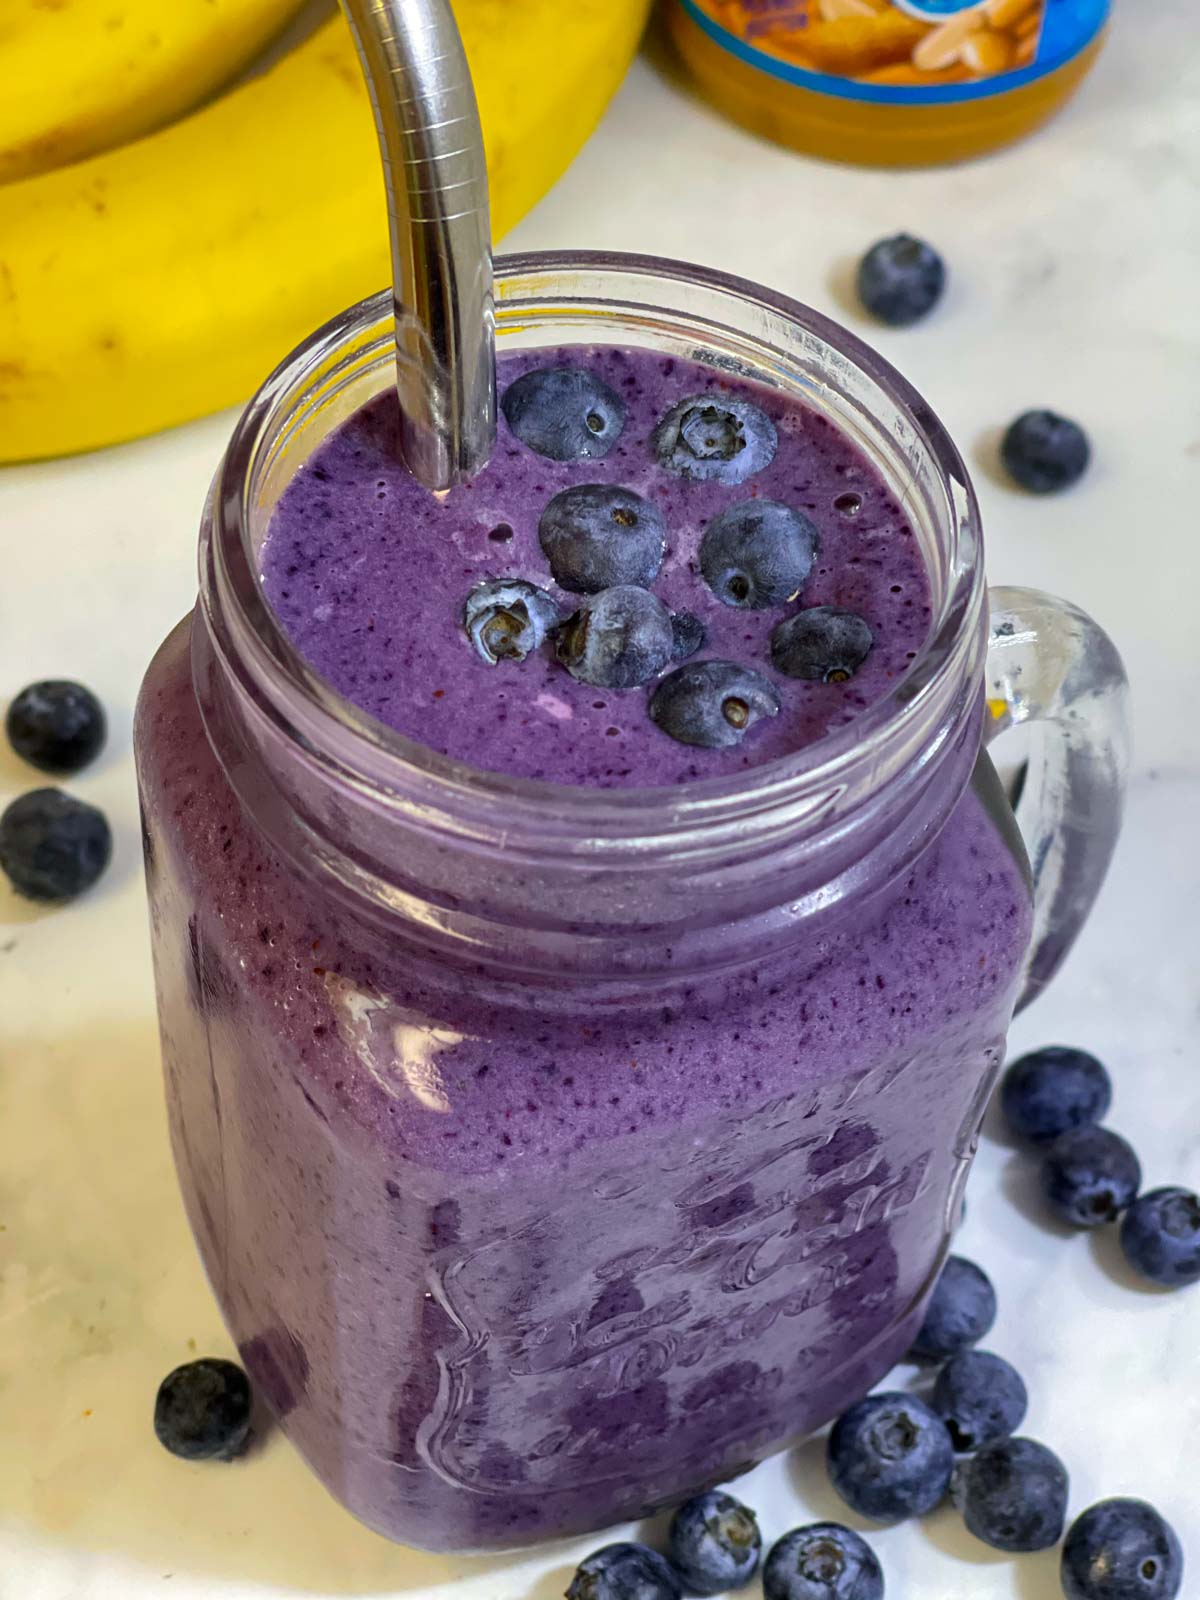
934 9
902 52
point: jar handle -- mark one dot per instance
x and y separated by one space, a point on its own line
1048 662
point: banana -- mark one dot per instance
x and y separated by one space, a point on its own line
162 281
84 75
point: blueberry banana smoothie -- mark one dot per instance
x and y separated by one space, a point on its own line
525 1227
638 512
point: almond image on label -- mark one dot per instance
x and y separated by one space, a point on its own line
944 45
1005 13
987 52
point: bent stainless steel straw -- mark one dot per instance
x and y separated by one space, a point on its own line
436 178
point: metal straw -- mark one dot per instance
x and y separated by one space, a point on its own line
436 178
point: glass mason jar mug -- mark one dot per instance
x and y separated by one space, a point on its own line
553 1152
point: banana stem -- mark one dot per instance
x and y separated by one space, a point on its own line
435 173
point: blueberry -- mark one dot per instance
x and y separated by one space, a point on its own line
1122 1550
598 535
53 847
900 280
202 1410
564 413
1013 1495
711 440
758 553
625 1572
1051 1091
506 618
961 1311
713 704
617 639
822 644
1089 1176
57 726
688 634
823 1561
1045 452
980 1398
889 1457
1160 1235
714 1543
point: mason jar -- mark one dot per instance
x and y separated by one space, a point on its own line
553 1152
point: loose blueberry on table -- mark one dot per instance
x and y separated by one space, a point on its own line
980 1398
714 1543
1044 452
1122 1550
56 725
1013 1495
202 1410
1160 1236
901 279
53 847
961 1311
823 1561
1053 1091
890 1457
625 1572
1089 1176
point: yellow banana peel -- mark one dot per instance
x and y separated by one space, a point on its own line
81 76
162 281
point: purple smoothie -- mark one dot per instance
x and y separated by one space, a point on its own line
511 1263
368 573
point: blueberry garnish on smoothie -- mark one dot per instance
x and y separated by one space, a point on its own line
597 535
823 644
713 704
506 619
564 413
688 634
758 554
617 639
718 441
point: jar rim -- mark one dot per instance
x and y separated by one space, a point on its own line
308 709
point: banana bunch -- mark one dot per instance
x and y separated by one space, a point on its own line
84 75
162 279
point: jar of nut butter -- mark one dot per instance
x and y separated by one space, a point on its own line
889 82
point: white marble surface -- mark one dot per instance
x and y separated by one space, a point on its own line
1073 265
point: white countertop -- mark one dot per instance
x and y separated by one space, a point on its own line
1073 284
